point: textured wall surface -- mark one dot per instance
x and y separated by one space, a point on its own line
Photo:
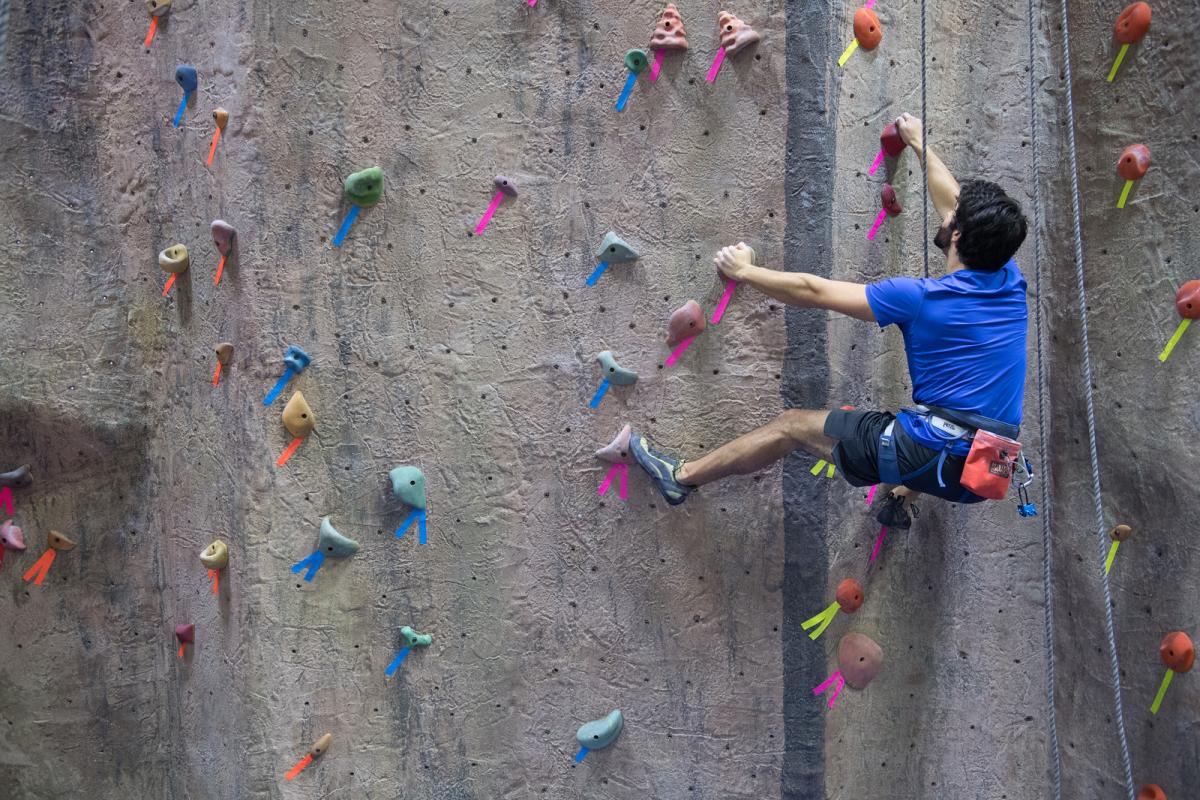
472 357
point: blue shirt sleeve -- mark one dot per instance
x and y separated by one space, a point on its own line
895 301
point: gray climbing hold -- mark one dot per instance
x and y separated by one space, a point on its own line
332 543
617 452
18 478
506 185
408 485
414 639
614 372
600 732
614 249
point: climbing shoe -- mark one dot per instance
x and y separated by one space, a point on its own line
661 470
893 514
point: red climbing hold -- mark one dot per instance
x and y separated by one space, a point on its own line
1133 23
1134 162
849 595
888 197
890 140
1187 300
1177 651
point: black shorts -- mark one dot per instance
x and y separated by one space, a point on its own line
857 455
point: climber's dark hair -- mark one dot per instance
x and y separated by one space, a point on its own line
991 225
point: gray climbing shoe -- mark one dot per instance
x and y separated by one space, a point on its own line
661 469
893 514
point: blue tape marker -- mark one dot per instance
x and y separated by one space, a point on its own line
182 106
581 755
596 398
288 374
313 562
624 98
595 276
342 231
396 662
416 515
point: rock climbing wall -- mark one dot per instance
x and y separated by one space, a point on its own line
473 357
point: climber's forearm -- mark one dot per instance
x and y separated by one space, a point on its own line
811 291
943 188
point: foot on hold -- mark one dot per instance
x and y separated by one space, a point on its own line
894 514
333 543
617 451
18 478
614 373
414 639
685 322
661 469
600 732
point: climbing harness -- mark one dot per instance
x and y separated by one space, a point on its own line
1089 396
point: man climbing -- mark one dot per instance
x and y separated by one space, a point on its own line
964 336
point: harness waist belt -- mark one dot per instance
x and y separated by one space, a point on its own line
970 420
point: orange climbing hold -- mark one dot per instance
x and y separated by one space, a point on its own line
1187 300
1151 791
1177 651
1134 162
867 29
850 595
1133 23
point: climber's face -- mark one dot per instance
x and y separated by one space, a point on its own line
946 237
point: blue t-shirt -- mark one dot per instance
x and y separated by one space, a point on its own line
964 335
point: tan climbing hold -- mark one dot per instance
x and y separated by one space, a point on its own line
1120 533
617 451
224 352
320 746
215 556
859 659
850 595
736 35
221 117
158 7
668 32
174 259
56 541
298 418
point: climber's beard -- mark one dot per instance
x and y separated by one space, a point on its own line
942 239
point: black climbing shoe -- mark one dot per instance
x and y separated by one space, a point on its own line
893 514
661 469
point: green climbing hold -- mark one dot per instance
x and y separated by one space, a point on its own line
332 543
600 732
408 484
636 61
364 188
414 639
614 372
614 249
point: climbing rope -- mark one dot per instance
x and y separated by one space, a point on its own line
924 157
1043 435
1089 395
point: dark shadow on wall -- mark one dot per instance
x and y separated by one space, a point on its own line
807 245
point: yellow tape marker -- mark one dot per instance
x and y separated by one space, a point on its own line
816 470
1124 194
1112 553
1183 326
1112 73
821 620
1162 690
849 51
829 473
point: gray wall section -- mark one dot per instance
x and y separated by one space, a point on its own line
550 605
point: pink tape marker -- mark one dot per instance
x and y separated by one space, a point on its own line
533 3
837 681
878 161
716 65
621 472
871 494
487 215
6 500
671 359
878 544
878 221
659 55
870 3
719 311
